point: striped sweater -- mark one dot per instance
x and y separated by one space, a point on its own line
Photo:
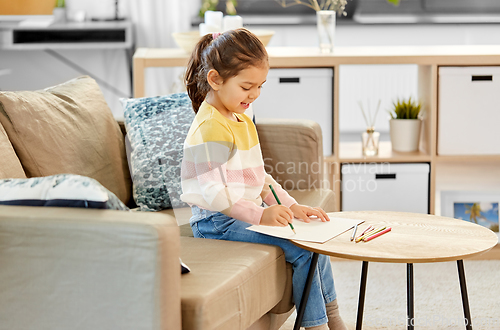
223 169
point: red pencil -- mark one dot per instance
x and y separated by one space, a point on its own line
377 234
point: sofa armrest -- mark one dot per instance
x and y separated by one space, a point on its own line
63 268
293 151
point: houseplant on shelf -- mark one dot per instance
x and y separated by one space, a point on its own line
405 123
212 5
59 11
325 18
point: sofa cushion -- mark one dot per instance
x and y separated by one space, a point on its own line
232 284
63 190
10 166
156 129
67 128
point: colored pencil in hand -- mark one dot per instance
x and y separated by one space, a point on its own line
278 201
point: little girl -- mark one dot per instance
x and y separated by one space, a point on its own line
223 177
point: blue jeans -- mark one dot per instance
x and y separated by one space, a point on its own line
215 225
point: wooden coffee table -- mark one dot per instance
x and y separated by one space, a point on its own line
414 238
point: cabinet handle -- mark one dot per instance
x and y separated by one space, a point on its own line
289 80
385 176
482 78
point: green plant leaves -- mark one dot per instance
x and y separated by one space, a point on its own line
394 2
405 109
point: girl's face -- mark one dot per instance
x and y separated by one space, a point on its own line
236 93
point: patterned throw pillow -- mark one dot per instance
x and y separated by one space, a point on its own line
156 130
63 190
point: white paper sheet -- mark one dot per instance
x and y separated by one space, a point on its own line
314 231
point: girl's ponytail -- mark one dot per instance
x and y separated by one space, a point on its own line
196 77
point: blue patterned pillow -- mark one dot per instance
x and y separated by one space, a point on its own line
156 130
63 190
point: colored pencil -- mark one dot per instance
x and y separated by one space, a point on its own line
372 232
354 232
377 235
278 200
366 232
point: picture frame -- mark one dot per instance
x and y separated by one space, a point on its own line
473 206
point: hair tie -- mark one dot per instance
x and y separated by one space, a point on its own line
215 35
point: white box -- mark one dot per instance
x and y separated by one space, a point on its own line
386 187
299 94
469 111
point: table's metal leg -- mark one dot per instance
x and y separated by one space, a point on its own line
361 300
410 311
307 289
465 298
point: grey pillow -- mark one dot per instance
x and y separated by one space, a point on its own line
156 130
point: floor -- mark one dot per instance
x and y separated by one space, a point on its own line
437 299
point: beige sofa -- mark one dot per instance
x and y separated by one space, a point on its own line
63 268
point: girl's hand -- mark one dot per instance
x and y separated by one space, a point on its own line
303 212
276 215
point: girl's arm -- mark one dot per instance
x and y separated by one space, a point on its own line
302 212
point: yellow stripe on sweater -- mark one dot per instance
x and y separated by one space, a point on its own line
210 125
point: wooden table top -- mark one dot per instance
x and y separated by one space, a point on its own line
414 238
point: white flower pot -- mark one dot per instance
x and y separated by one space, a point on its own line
405 134
59 14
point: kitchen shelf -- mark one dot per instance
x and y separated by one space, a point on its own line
351 152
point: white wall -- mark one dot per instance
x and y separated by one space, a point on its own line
32 70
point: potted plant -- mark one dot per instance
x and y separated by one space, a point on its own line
59 11
405 125
212 5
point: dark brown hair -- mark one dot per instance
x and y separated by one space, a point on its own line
228 54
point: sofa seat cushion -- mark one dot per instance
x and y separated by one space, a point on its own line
67 128
231 284
324 198
10 166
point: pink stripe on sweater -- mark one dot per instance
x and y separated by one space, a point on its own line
247 211
204 173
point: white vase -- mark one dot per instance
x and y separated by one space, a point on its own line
405 134
325 21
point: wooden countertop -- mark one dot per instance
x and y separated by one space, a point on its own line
311 56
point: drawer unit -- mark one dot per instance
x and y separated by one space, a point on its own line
299 94
469 111
385 187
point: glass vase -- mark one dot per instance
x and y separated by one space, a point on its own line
370 140
325 20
